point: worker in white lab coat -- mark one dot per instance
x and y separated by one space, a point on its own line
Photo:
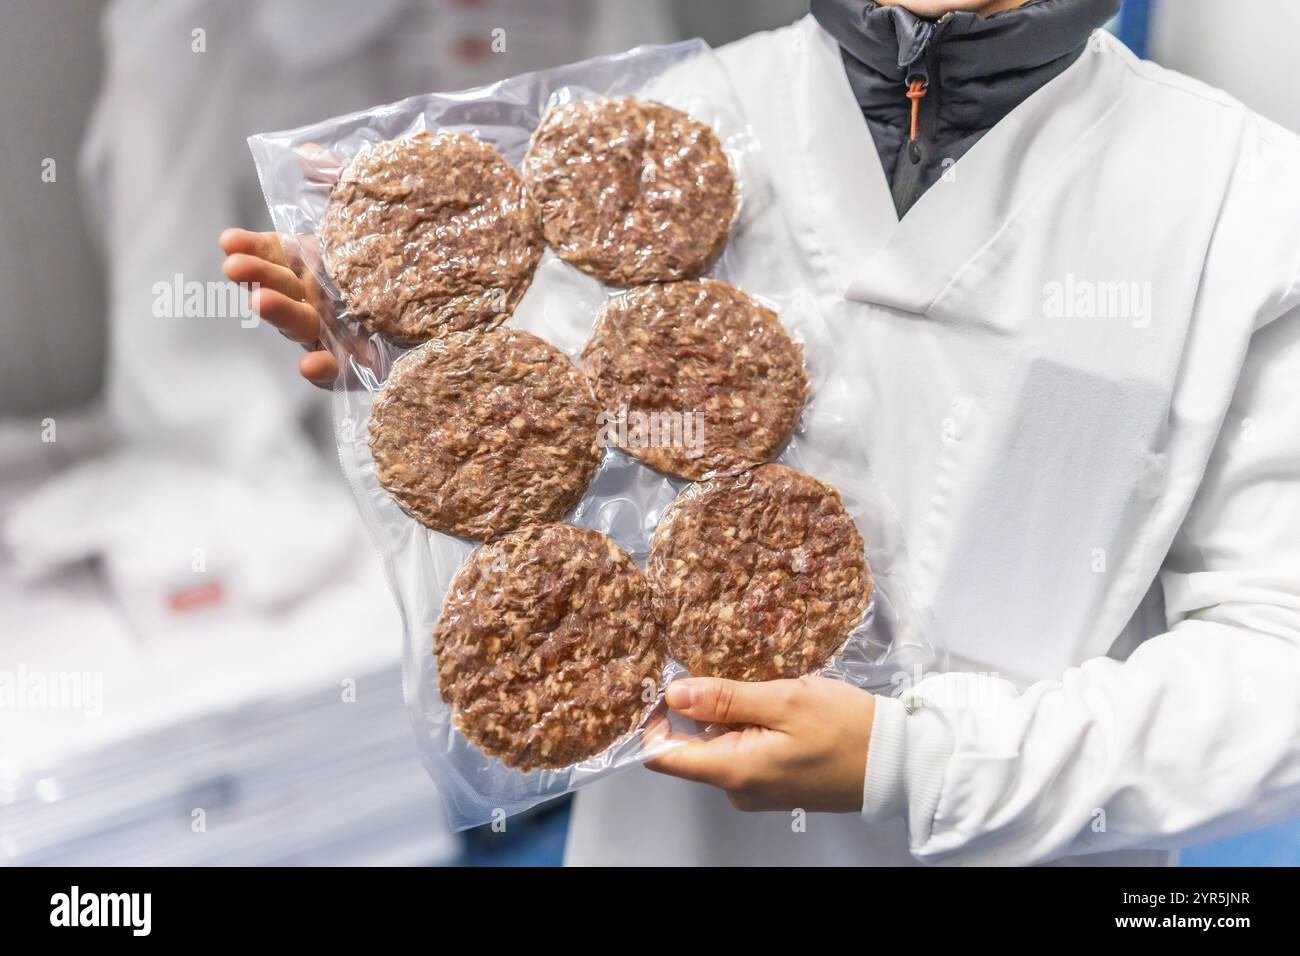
1070 282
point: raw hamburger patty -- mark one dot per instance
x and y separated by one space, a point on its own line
548 646
631 191
430 234
760 576
477 433
709 353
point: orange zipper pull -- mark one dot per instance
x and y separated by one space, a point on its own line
915 91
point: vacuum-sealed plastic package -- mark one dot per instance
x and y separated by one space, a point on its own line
597 446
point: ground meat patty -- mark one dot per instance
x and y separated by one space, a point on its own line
759 576
705 379
430 234
548 648
477 433
631 191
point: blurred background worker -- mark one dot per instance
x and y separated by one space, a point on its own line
175 539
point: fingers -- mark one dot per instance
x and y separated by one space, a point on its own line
657 730
320 368
297 320
250 269
263 245
319 165
714 700
718 762
257 258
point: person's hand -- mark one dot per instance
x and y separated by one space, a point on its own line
281 297
287 295
792 743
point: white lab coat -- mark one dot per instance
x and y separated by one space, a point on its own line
1064 454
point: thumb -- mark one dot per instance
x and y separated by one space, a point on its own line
721 701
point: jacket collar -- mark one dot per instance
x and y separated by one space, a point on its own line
988 64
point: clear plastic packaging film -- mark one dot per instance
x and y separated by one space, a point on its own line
494 266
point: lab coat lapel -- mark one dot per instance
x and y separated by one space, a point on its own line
910 264
844 211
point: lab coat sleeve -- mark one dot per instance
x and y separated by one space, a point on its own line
1195 736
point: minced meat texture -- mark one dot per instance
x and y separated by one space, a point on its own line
631 191
700 378
760 576
431 234
549 648
478 433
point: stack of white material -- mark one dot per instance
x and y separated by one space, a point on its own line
258 721
302 781
253 739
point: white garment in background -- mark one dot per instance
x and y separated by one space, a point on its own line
1050 458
